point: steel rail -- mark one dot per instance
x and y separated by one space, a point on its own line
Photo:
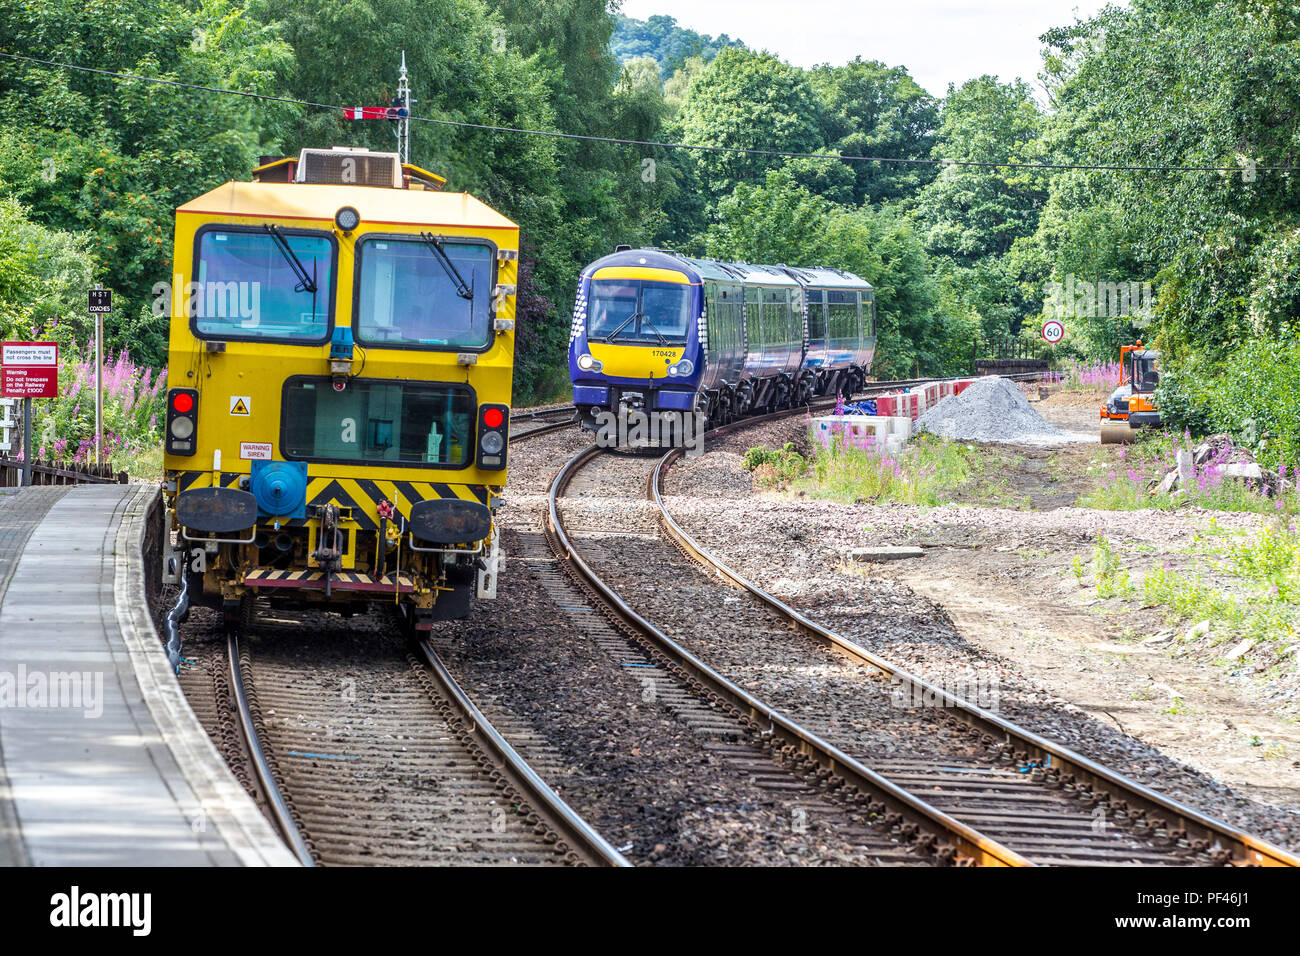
1246 849
967 841
539 412
542 430
261 766
580 835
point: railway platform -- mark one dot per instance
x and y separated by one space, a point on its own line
102 762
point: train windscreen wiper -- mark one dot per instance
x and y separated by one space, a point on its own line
645 321
621 326
435 245
306 283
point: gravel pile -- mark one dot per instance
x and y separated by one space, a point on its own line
991 409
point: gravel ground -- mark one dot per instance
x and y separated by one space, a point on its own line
650 784
796 550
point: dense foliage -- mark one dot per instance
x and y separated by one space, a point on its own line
963 249
661 39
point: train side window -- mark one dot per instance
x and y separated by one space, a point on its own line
816 318
754 319
252 284
841 319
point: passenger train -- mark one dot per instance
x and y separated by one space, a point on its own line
340 360
660 334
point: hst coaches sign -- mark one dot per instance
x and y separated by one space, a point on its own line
29 369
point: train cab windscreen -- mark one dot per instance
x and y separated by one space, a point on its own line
638 312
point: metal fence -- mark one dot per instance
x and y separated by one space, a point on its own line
58 473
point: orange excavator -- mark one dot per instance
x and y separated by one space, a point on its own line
1132 406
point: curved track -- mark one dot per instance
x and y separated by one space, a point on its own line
933 834
993 792
1016 787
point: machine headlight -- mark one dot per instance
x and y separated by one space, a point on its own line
684 367
347 218
182 427
492 443
585 362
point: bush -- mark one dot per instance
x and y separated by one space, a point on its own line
777 467
1254 395
134 404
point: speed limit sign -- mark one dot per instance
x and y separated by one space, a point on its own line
1053 331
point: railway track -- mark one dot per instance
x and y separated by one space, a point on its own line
367 752
378 756
1019 799
543 421
793 755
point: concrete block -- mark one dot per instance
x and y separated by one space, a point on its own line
886 553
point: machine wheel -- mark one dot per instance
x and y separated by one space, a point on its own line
1117 433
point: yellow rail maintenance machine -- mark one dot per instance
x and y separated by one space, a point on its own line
341 350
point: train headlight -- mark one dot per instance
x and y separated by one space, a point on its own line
492 443
586 362
683 368
347 218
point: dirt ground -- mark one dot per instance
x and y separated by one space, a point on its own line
1011 590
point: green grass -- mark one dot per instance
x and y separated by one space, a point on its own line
1121 485
1255 593
925 472
928 471
145 464
1110 576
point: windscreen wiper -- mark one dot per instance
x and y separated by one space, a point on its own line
306 283
435 244
645 321
621 326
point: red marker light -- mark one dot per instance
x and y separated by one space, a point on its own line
493 418
183 402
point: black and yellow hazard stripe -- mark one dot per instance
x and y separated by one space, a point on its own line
187 480
270 578
361 495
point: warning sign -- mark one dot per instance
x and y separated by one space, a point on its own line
29 369
240 405
255 450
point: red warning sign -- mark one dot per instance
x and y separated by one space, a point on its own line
29 369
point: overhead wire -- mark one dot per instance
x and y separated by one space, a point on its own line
658 144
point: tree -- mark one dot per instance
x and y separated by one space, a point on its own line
1209 83
661 39
747 100
971 212
870 109
112 157
881 246
774 221
44 274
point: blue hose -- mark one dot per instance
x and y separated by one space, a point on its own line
180 610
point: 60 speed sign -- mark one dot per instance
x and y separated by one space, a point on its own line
1053 331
